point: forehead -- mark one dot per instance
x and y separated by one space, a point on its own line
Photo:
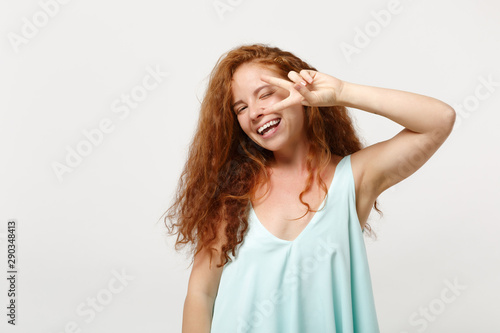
247 76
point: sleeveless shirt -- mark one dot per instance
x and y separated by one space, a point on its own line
317 283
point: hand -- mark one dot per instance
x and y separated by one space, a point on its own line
309 88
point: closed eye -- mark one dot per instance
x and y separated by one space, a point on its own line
261 97
267 94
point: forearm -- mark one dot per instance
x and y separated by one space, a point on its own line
197 317
416 112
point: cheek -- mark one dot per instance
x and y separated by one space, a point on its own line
298 114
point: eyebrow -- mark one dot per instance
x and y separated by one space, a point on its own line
256 91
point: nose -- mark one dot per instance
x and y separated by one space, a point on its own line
256 111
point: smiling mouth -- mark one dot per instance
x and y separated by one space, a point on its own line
268 126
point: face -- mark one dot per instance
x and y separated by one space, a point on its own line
274 131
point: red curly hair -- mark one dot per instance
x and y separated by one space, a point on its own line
224 167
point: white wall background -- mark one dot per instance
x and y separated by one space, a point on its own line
65 72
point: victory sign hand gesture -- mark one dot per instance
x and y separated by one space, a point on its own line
308 87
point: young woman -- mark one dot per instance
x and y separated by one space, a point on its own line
276 192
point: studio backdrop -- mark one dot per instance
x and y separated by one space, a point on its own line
98 105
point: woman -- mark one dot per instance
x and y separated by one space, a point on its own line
276 193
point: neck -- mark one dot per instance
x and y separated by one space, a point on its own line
293 159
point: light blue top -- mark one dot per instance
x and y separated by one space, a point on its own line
320 282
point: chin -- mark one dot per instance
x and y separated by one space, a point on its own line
271 147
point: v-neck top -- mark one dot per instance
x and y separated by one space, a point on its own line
318 282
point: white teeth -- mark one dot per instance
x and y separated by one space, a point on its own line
266 125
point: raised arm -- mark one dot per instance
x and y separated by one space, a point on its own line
427 121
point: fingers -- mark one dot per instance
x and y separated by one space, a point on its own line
287 102
277 81
295 77
298 84
301 85
308 96
306 74
303 78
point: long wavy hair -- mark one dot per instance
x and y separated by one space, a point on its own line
224 167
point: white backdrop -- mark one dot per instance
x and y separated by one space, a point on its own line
99 101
